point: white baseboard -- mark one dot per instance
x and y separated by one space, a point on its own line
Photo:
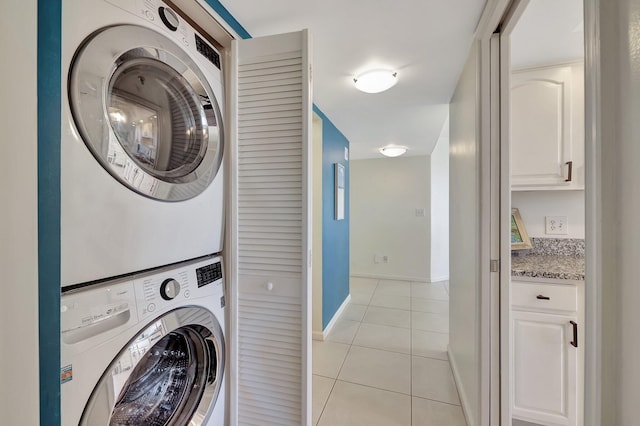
317 335
464 399
392 277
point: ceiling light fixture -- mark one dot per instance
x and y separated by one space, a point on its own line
376 81
393 150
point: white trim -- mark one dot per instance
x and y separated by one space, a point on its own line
307 215
506 350
209 20
466 408
491 311
593 229
485 278
224 24
438 279
494 236
399 278
323 335
490 18
513 14
232 232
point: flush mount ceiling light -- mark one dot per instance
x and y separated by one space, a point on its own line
393 150
376 81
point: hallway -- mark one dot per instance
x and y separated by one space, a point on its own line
385 361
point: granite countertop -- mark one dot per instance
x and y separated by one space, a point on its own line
548 266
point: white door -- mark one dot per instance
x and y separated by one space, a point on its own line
540 374
270 231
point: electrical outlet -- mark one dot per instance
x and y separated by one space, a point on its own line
556 225
420 212
376 258
385 259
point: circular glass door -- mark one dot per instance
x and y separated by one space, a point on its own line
160 385
146 112
165 376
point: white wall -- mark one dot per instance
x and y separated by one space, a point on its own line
535 205
618 200
440 208
385 194
19 391
464 237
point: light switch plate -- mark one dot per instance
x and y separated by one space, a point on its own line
556 225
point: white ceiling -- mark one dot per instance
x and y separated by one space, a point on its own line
549 31
425 41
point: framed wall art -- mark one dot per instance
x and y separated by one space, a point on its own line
339 191
519 237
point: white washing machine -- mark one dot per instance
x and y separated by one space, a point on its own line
146 350
142 140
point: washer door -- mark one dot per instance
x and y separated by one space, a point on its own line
146 112
170 374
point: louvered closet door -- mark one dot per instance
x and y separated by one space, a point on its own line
271 378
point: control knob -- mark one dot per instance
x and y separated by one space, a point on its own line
169 18
169 289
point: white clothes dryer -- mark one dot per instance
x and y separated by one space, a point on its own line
142 142
146 350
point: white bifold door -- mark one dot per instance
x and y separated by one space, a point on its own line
270 231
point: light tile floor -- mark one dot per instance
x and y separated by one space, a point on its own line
385 362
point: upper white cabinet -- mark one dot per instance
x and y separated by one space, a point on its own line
547 128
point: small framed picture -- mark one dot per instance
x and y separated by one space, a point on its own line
519 237
339 191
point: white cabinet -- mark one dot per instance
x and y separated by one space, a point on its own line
547 128
547 355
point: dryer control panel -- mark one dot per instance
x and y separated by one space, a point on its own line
209 273
161 15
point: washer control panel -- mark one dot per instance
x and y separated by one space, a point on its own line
164 290
96 312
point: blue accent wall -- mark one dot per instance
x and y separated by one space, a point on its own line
49 133
335 233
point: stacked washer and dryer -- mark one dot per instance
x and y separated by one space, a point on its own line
142 218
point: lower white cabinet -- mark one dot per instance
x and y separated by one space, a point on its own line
547 355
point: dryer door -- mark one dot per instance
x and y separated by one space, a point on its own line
146 112
170 374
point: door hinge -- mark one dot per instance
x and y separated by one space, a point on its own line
494 266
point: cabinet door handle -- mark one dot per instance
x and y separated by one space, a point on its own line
570 171
574 342
541 297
